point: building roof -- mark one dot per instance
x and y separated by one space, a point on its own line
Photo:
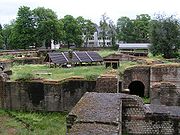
77 57
134 45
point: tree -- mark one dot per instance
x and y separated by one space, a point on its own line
125 30
1 37
47 26
141 28
165 36
23 35
7 33
104 26
87 28
112 32
73 33
134 31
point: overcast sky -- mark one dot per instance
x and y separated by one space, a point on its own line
92 9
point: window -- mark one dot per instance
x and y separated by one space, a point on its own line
91 38
91 43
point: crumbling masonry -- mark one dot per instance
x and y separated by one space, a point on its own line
118 114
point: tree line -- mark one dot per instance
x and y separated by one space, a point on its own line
40 26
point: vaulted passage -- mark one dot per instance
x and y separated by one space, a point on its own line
137 88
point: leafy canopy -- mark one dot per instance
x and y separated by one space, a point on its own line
165 36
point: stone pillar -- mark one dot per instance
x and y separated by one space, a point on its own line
107 84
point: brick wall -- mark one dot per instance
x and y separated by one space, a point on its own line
107 84
166 73
137 73
45 96
119 114
165 93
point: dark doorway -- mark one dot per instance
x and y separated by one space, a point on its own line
114 65
137 88
36 93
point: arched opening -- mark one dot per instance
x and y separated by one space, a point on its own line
136 88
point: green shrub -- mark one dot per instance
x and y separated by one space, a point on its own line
176 55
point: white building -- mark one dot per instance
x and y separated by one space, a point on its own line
54 46
96 41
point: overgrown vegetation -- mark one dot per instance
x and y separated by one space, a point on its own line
31 123
146 100
124 65
25 72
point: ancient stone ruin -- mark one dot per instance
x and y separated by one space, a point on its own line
118 114
107 83
140 79
137 80
108 111
43 95
165 93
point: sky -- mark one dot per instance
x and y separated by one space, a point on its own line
92 9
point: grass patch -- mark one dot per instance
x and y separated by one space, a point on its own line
24 76
105 53
87 72
39 123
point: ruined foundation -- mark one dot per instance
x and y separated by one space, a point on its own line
118 114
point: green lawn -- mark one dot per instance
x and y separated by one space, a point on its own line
43 71
31 123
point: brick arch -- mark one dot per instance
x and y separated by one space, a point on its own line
137 73
136 88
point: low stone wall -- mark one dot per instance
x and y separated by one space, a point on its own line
29 60
121 57
45 96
